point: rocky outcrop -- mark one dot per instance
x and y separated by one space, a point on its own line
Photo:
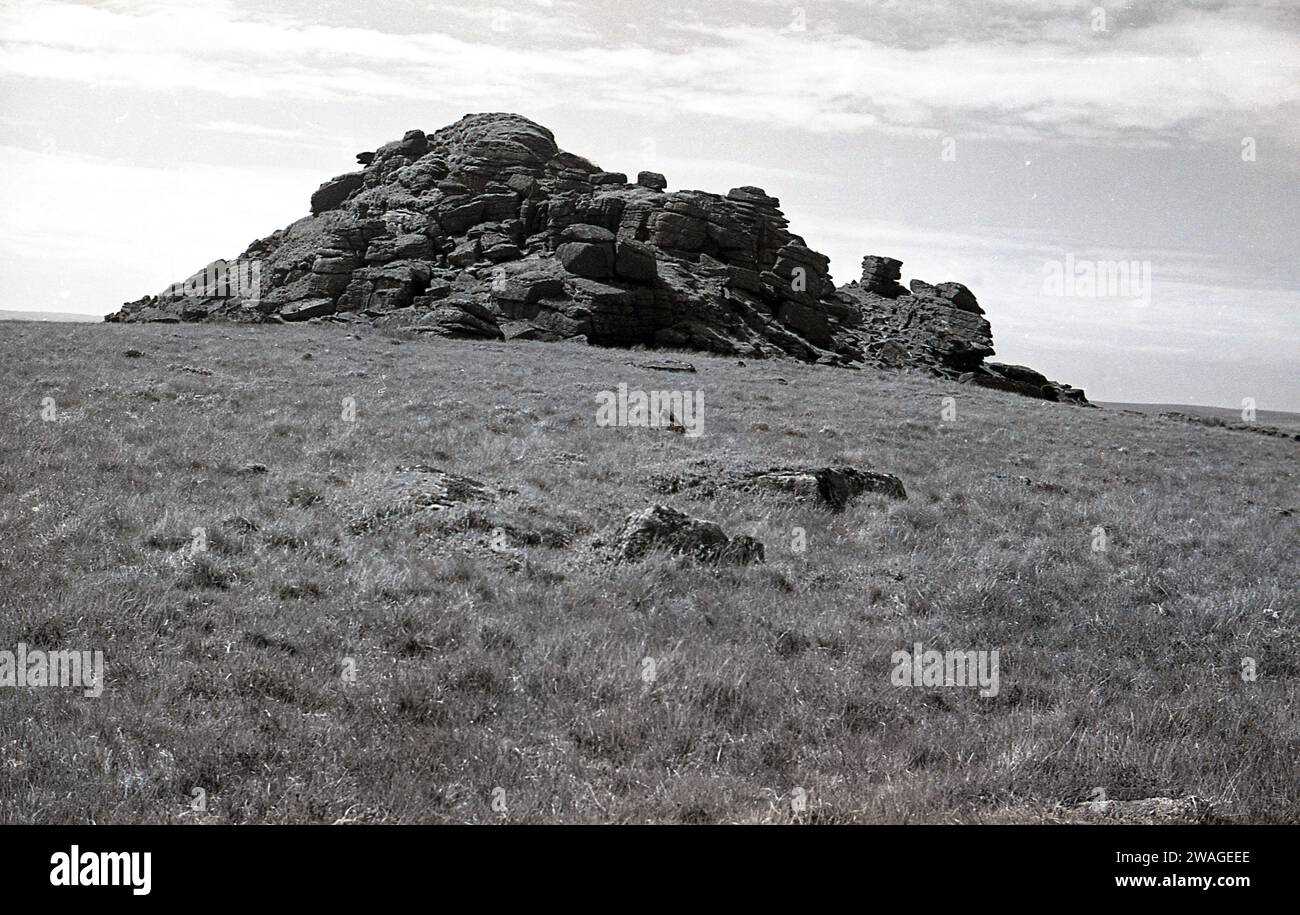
487 229
940 328
1021 380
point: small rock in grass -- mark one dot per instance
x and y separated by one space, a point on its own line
665 365
661 527
834 486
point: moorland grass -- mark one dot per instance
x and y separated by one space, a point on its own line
496 654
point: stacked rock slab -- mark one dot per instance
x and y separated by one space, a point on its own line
881 275
487 229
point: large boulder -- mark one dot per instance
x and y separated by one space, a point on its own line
332 193
526 282
635 261
459 316
652 180
586 259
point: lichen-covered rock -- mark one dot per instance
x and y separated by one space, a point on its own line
835 487
662 528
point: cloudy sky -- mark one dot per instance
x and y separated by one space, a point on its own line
984 141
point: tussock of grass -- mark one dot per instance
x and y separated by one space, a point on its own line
495 646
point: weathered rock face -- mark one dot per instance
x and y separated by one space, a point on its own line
938 327
663 528
1021 380
487 229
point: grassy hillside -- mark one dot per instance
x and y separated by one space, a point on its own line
58 316
496 654
1280 419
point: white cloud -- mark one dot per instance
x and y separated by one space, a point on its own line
259 131
86 232
1193 74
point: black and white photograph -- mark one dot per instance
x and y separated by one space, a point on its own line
848 413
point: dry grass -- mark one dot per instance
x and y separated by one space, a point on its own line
520 667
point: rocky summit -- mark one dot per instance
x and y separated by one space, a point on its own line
487 229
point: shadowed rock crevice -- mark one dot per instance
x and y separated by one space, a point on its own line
487 229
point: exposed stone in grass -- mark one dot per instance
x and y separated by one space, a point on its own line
302 495
239 524
1040 485
834 487
252 468
456 316
663 528
1150 810
272 643
565 457
298 590
410 489
665 365
1019 379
